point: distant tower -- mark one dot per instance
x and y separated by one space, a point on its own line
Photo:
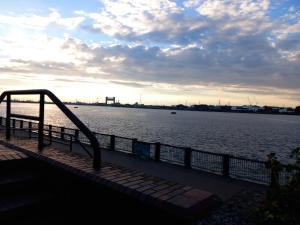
110 99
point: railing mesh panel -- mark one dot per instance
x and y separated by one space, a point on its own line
123 144
249 170
207 161
104 140
172 154
82 138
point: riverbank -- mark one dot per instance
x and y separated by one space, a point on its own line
273 110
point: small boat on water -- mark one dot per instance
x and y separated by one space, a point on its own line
75 107
173 112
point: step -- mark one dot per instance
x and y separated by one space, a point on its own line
14 183
26 165
22 201
14 209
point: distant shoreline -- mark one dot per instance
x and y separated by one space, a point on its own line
170 108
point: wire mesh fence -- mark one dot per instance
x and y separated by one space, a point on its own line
207 161
123 144
172 154
249 170
104 140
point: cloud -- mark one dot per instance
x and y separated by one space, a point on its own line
197 43
232 9
131 84
33 21
157 20
248 61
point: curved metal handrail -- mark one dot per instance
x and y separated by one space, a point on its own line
85 130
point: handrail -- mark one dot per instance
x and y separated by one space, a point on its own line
42 92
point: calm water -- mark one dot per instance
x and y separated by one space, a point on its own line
250 135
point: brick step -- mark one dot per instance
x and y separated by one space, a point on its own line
22 204
15 165
14 183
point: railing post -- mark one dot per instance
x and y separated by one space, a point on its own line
112 142
30 128
157 151
62 133
76 135
226 159
1 120
187 157
13 125
21 124
50 134
71 143
8 112
41 122
134 140
97 157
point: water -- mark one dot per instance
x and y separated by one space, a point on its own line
248 135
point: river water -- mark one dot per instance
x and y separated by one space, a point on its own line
241 134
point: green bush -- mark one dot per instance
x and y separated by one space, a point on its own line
281 204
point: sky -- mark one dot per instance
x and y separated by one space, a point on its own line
154 52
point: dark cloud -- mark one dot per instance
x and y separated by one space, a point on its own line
249 61
131 84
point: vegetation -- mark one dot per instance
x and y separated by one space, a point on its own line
281 204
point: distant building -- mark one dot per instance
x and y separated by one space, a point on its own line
247 108
286 110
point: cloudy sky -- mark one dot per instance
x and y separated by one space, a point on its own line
159 51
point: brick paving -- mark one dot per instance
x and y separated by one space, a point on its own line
7 154
170 196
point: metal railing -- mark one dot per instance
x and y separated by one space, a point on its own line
42 93
217 163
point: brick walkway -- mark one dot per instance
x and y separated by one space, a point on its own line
7 154
172 197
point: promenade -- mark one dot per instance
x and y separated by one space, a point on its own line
147 181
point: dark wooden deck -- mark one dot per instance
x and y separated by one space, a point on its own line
169 196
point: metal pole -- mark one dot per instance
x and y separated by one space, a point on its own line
187 157
14 125
50 134
8 112
134 140
226 165
62 133
157 151
97 156
71 143
76 135
30 128
112 142
41 122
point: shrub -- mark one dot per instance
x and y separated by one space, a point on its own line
281 204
